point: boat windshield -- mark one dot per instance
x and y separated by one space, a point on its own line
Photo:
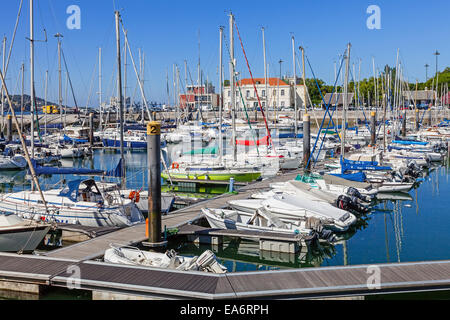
82 190
89 192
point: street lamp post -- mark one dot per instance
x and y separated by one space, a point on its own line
437 77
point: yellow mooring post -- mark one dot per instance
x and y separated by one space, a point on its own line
154 185
373 122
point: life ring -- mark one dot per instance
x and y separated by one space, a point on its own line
175 165
134 195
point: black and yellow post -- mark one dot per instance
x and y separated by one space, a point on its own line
430 115
373 126
91 129
417 120
404 123
154 185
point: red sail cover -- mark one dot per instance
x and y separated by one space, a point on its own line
261 142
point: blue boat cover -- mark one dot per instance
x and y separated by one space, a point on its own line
55 170
52 126
347 165
71 190
369 163
69 139
290 135
358 176
117 172
407 142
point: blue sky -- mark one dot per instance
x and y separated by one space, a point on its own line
168 33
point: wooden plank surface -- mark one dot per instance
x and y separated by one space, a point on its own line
288 283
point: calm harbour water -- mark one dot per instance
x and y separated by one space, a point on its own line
395 231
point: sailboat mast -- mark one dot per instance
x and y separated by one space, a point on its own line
125 74
21 98
32 98
58 36
119 93
45 104
232 90
178 94
186 105
345 106
142 87
221 94
100 85
375 84
265 71
199 81
295 91
174 91
4 72
304 80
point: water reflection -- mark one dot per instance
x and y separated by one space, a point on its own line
243 255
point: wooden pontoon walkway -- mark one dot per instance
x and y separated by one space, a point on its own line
136 281
95 248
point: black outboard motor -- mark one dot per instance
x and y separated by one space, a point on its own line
348 204
353 192
413 170
327 235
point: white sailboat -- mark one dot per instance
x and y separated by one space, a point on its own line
19 235
80 202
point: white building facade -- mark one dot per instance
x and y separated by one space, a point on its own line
279 95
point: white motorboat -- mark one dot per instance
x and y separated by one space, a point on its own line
19 235
70 151
293 207
260 220
16 162
80 202
169 260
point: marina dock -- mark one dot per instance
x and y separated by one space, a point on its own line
32 274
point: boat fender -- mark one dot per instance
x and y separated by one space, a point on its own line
134 195
175 165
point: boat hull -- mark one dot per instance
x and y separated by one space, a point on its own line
238 177
24 238
86 215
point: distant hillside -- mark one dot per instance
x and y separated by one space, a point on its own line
16 100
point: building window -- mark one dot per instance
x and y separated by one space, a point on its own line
229 92
282 103
264 93
247 94
282 92
274 91
264 104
